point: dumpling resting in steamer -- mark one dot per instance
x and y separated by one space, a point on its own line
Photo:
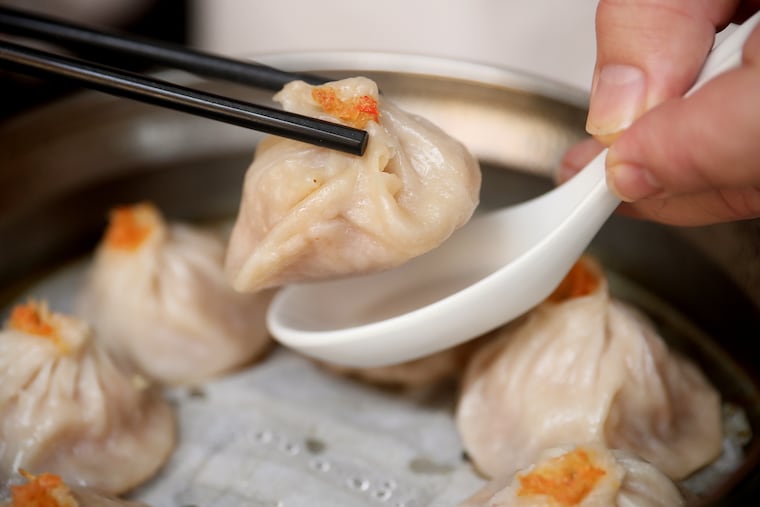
309 213
158 296
426 371
583 367
67 408
582 476
49 490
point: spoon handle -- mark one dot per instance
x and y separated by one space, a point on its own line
727 54
583 204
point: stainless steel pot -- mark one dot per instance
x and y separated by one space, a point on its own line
63 166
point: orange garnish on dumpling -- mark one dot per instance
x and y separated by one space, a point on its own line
130 226
567 479
35 318
580 281
44 490
356 111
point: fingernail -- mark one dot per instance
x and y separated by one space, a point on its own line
618 97
631 183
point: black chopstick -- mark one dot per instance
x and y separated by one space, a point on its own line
73 36
162 93
154 91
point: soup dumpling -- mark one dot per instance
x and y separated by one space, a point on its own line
582 476
49 490
158 297
581 368
311 213
426 371
67 408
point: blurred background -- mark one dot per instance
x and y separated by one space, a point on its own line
550 38
553 39
160 19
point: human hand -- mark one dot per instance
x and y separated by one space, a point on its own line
685 161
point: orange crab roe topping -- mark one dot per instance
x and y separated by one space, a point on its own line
45 490
35 319
129 226
567 479
31 319
356 112
579 282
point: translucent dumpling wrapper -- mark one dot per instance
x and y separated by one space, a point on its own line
583 368
49 490
67 408
158 297
583 476
311 213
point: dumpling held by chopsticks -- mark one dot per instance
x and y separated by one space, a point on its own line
309 213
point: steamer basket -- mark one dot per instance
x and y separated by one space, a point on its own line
247 437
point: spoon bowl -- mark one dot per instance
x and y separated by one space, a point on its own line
491 271
449 295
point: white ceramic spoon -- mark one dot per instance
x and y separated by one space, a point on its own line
491 271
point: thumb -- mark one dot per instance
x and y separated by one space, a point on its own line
647 52
707 141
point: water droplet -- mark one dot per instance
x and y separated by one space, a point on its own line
383 494
389 484
321 465
290 448
263 436
359 483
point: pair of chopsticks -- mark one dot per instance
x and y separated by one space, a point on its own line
111 80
